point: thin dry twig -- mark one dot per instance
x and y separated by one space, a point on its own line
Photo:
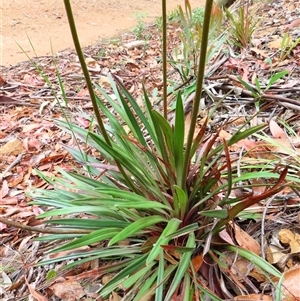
15 162
40 230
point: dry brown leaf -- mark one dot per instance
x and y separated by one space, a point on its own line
90 61
135 44
104 82
16 179
35 294
4 189
34 143
246 241
83 93
2 226
224 135
275 43
114 297
85 123
17 284
295 245
33 80
169 258
69 290
262 53
290 285
12 147
23 247
106 278
197 262
32 126
247 144
246 268
226 237
187 125
276 130
294 23
274 254
258 186
282 146
2 81
237 121
287 237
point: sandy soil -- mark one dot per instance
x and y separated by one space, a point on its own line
43 23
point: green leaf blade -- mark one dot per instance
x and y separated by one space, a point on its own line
164 238
135 227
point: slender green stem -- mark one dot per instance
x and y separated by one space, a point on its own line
85 70
164 57
91 90
200 79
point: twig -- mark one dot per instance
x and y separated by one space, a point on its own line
274 88
288 102
40 230
177 88
216 65
15 162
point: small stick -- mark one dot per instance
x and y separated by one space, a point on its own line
15 162
40 230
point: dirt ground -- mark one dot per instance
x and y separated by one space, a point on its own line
43 23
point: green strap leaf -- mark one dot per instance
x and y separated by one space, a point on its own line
133 266
179 138
182 267
275 78
93 237
180 201
135 227
160 275
256 260
164 239
222 213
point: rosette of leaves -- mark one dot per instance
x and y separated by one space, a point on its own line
243 25
149 209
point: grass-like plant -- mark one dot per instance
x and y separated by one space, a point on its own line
139 28
151 207
186 55
287 45
259 92
242 24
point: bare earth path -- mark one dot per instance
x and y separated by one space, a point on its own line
44 23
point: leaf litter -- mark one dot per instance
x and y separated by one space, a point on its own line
30 139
